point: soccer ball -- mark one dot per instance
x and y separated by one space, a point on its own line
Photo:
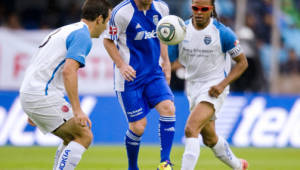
171 30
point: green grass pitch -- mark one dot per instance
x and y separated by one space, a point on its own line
114 158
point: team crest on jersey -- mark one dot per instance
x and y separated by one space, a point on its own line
207 39
155 19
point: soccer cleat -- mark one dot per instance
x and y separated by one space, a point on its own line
244 164
166 165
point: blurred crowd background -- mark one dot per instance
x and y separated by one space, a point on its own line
255 35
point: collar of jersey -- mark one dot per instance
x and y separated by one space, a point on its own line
136 8
210 23
85 25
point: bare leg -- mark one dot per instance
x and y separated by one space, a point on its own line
198 118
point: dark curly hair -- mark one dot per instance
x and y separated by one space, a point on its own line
214 13
91 9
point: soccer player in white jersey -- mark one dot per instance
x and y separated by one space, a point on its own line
205 53
140 82
53 69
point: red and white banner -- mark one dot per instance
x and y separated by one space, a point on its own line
17 47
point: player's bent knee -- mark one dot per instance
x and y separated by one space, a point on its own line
85 137
68 139
190 131
138 129
167 109
172 109
209 141
89 138
87 134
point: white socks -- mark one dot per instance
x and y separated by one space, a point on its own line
59 150
70 156
224 153
191 153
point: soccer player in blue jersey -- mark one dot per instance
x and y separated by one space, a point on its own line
52 71
140 82
206 54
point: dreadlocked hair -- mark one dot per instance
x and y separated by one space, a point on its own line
214 13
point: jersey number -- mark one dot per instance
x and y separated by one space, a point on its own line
55 32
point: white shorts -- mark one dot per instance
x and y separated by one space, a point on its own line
198 92
47 112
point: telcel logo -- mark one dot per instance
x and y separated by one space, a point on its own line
14 121
268 127
145 35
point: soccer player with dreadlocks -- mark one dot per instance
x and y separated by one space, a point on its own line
205 54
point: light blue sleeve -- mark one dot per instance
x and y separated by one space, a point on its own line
173 52
78 45
228 39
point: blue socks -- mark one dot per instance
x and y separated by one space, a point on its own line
132 142
166 134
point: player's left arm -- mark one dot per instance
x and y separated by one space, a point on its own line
78 45
230 45
239 68
166 65
70 78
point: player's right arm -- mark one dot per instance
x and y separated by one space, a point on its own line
126 70
173 51
116 26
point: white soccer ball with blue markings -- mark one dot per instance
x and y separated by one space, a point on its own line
171 30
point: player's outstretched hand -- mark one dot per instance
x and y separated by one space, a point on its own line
128 72
216 90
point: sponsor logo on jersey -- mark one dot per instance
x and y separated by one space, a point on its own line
207 39
144 35
113 30
138 26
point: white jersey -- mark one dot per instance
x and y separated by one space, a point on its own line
204 52
44 75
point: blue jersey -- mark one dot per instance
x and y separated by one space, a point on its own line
134 33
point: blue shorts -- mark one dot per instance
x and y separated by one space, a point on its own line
138 102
